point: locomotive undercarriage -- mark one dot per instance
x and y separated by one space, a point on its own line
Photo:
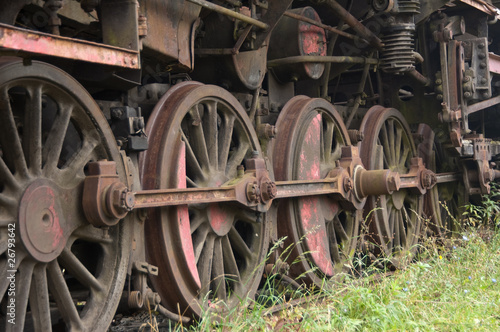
152 151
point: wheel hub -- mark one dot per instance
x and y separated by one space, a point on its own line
42 221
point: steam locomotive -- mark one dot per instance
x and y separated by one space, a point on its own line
152 152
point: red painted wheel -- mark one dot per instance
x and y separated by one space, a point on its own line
59 271
393 221
206 253
322 236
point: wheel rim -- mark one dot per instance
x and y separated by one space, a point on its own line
393 221
208 252
69 273
309 141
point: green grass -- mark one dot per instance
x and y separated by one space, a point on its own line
452 289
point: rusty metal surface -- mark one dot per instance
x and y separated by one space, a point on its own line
293 38
321 59
353 22
230 13
50 128
394 222
171 31
27 42
310 139
483 6
218 239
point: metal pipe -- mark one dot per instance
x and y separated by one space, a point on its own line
417 76
361 89
353 22
229 12
321 59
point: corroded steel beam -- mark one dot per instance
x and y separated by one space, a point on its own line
25 42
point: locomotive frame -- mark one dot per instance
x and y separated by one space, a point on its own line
151 151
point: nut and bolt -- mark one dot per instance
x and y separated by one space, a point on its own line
266 131
392 183
269 190
348 184
253 192
429 179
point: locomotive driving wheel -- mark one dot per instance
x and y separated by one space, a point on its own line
56 270
394 221
310 137
444 203
207 254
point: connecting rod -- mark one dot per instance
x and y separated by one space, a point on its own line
106 199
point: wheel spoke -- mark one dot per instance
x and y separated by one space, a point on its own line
402 229
384 139
33 130
397 230
23 285
404 156
7 201
192 164
76 164
218 275
9 137
230 265
225 135
59 289
239 244
54 143
236 159
392 141
70 262
39 299
92 234
397 144
328 133
211 133
196 222
199 240
6 270
6 176
339 230
197 138
205 265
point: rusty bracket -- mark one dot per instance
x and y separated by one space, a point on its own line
419 178
479 174
101 188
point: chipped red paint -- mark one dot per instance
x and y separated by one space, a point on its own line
183 219
309 164
316 238
311 214
220 220
312 41
42 221
27 41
